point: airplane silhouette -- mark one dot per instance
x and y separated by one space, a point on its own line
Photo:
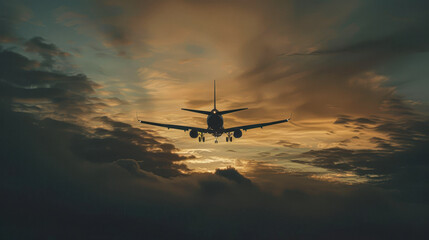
215 124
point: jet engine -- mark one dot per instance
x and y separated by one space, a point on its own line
193 133
238 133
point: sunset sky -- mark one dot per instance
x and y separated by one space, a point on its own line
351 164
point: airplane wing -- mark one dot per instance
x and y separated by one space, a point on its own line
184 128
247 127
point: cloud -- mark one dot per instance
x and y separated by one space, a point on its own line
233 175
127 142
341 159
47 50
133 167
57 95
22 80
359 121
59 194
389 165
69 180
286 143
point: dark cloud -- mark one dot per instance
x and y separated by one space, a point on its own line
381 143
127 142
22 80
341 159
134 168
405 132
62 180
25 85
399 162
233 175
56 189
288 144
51 192
46 50
343 120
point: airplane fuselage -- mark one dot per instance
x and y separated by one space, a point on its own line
215 121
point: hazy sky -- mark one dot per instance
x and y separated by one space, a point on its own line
352 163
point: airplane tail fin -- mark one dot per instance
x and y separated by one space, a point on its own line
214 94
231 111
214 105
205 112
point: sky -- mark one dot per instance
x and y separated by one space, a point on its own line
351 163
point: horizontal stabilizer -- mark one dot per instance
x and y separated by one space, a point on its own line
197 111
231 111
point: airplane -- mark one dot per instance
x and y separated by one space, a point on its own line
214 124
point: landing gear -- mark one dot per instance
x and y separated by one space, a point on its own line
216 141
201 137
229 138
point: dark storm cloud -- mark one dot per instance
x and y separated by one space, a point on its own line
233 175
46 50
342 159
134 168
23 85
21 78
382 143
56 189
51 192
404 171
397 106
406 132
127 142
399 163
62 180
